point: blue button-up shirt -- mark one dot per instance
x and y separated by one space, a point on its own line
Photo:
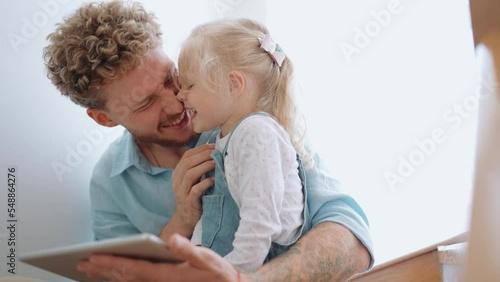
130 196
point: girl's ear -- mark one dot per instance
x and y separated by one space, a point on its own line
237 83
101 117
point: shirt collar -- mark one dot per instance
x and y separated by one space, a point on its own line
127 154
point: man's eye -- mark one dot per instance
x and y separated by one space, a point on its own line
168 82
146 105
172 78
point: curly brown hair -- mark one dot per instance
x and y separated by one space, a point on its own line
96 45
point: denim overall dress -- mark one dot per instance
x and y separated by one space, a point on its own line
220 216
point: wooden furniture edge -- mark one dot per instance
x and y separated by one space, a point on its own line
454 240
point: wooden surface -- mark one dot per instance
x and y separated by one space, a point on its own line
452 259
484 17
454 254
483 256
484 244
421 266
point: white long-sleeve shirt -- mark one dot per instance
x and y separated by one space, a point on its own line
261 171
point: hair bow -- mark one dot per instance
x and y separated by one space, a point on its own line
268 44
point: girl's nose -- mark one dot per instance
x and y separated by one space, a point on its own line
181 96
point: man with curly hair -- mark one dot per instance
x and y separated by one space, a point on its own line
108 58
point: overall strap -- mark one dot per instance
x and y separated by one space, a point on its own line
213 136
239 122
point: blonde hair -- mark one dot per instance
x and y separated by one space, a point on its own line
218 47
99 43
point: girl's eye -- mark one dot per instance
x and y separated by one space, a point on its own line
190 86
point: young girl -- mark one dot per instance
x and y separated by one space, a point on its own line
235 78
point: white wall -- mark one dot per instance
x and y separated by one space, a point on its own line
367 111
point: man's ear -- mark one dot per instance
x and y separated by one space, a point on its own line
101 117
237 83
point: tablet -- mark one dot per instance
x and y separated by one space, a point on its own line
63 260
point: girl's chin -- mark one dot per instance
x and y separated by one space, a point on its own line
197 129
200 129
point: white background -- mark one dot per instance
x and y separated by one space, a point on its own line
378 78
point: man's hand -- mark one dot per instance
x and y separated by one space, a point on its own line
188 190
199 264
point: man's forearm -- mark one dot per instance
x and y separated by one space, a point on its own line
328 252
176 225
